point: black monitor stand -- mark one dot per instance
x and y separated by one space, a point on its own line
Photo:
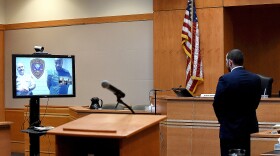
34 120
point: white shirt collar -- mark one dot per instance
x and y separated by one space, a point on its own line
236 67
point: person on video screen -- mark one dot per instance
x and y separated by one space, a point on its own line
58 80
24 82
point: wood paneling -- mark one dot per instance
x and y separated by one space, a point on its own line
169 58
2 65
17 137
49 116
209 3
263 141
262 145
249 2
161 5
179 137
268 111
211 47
257 37
2 27
228 34
5 138
192 129
81 21
205 141
221 29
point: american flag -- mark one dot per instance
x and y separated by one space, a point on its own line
190 43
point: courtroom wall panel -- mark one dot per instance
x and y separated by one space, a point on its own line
192 128
80 21
249 2
163 5
211 47
257 36
49 116
221 29
169 57
120 52
17 137
209 3
2 64
262 145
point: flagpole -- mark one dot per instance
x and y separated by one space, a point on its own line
192 19
192 40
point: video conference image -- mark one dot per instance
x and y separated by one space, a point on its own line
42 76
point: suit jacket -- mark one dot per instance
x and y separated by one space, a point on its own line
237 97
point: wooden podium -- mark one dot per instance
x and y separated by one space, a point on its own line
5 138
109 134
263 142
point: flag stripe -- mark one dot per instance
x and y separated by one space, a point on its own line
191 46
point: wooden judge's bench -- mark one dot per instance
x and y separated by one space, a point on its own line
192 128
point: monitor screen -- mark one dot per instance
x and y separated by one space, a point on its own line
43 75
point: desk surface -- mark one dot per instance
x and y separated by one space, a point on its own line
85 109
275 153
107 125
198 98
5 124
267 134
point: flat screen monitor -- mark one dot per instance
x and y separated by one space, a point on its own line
43 76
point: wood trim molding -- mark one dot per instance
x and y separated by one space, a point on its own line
2 72
2 27
249 2
80 21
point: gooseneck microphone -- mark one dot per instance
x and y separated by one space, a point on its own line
117 92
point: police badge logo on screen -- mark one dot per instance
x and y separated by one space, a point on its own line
37 67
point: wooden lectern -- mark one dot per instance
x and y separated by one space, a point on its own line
5 138
109 134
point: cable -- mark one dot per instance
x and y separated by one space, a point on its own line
26 118
45 111
155 96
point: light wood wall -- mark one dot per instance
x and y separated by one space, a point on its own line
223 25
49 116
81 21
2 96
16 116
258 37
249 2
169 58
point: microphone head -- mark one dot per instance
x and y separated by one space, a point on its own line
105 84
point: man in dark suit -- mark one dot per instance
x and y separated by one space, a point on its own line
237 97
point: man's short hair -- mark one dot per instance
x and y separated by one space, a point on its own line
236 56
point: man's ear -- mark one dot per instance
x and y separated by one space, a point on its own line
230 63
